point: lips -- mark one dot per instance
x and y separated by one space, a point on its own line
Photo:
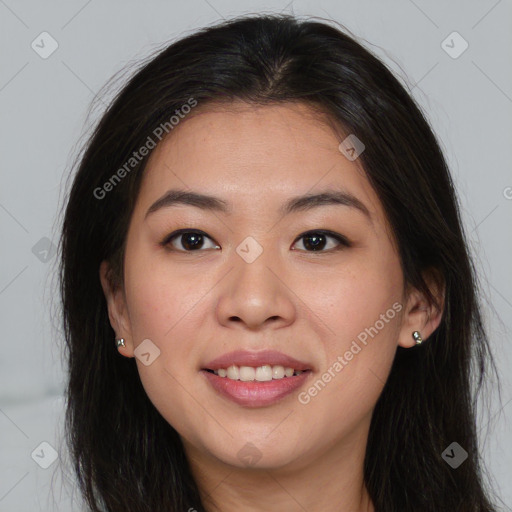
254 359
255 394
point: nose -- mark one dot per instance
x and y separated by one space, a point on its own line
256 295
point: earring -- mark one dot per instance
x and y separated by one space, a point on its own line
417 337
120 342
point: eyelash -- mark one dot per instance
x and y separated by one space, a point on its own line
343 241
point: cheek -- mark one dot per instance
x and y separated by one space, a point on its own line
164 313
157 305
360 307
167 315
159 294
352 297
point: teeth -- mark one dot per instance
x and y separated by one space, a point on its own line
247 373
277 372
233 373
262 373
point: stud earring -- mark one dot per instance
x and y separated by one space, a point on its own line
417 337
120 342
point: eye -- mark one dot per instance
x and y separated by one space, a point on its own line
316 240
190 240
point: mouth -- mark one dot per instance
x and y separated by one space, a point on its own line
256 379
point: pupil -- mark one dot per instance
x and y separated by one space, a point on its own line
196 240
318 242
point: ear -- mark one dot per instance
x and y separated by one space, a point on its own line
419 314
117 310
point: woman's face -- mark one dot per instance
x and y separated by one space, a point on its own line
253 282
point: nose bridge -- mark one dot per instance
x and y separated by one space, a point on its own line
255 291
252 259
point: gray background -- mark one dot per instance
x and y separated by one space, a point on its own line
44 103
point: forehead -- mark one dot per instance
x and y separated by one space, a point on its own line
255 157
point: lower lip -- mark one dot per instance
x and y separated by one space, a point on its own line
255 393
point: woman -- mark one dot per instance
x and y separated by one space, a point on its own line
264 226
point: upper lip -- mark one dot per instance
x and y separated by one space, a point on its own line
249 358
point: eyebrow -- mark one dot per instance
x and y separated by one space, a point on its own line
300 203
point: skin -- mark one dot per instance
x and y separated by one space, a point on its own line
312 305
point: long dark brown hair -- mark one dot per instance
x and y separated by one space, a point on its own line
125 455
